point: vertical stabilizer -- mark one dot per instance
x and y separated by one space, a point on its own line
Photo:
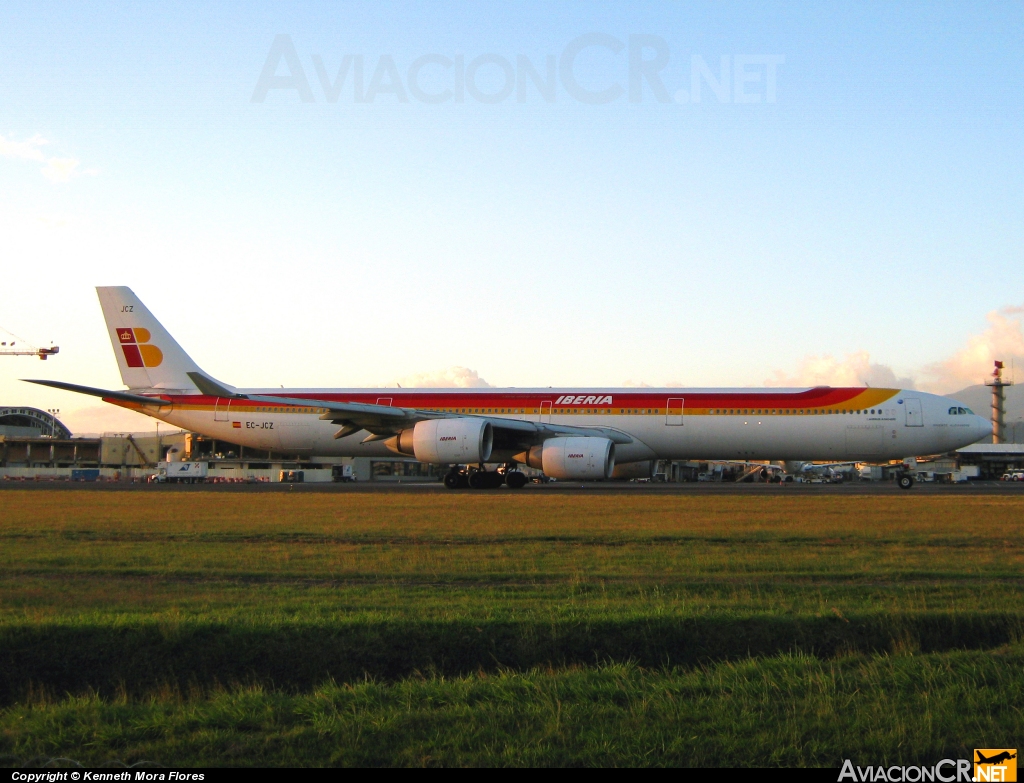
148 357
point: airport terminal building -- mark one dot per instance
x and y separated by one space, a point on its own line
34 445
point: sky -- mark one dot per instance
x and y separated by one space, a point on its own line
352 194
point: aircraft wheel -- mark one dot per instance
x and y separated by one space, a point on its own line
477 480
905 481
451 480
515 479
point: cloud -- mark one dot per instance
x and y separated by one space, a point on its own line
631 384
969 366
972 364
60 169
26 150
55 170
460 377
856 369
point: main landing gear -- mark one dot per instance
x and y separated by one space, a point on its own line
463 476
905 481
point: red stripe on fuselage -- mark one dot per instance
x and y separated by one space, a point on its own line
812 398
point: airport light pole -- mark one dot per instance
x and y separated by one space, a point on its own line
53 421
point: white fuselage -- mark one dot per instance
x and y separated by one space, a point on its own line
715 424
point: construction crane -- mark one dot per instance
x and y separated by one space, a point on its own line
13 348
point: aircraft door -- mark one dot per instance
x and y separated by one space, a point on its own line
674 412
385 401
220 410
545 412
912 411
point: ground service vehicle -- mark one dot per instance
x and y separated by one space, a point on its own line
181 472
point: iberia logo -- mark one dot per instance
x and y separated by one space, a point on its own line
998 764
136 348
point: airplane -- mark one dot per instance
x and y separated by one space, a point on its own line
1004 756
785 471
822 469
574 434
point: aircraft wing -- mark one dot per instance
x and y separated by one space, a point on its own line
105 393
383 421
814 465
755 464
805 466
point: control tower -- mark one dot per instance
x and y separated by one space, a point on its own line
998 402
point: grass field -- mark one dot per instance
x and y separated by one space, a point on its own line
208 628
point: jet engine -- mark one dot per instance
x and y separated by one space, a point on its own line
573 459
446 441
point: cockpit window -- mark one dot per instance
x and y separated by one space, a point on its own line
968 411
952 411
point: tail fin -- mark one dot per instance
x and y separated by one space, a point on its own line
148 357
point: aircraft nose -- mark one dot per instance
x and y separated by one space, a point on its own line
982 427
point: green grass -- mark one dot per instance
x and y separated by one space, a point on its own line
450 626
786 710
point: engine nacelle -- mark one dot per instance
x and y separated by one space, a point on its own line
574 459
447 441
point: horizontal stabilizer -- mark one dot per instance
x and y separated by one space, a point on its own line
105 393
